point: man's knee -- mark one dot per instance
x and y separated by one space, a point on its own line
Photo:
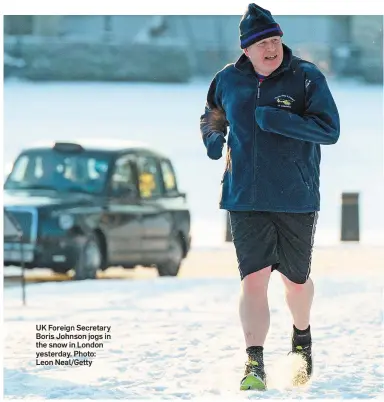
257 282
296 286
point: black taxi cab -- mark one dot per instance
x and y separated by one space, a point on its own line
90 205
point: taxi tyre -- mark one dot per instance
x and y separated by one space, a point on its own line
171 266
90 259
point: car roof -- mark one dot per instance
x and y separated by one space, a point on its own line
116 146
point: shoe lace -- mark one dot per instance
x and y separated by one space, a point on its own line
252 366
302 349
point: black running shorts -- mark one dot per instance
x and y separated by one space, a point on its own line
280 239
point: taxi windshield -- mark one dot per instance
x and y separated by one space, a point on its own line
61 171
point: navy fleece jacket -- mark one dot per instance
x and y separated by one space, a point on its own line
275 130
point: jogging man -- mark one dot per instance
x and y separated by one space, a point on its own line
279 110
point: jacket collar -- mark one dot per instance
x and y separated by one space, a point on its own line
244 65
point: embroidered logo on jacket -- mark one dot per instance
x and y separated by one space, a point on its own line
284 101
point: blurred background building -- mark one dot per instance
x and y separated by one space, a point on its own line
178 48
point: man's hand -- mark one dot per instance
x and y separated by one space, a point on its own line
213 127
216 145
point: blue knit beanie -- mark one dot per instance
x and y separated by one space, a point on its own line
257 24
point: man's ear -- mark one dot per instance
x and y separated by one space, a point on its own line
245 51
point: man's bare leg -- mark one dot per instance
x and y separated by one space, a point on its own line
299 299
254 308
255 319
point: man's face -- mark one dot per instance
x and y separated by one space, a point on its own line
266 55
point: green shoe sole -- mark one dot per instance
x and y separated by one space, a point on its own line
251 382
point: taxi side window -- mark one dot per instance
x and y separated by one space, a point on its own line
150 178
123 179
169 177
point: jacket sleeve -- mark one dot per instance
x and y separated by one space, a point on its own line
320 123
213 123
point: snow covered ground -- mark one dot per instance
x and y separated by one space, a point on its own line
180 338
167 116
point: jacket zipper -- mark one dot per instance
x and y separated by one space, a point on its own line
274 74
254 143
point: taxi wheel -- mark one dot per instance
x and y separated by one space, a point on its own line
90 259
171 266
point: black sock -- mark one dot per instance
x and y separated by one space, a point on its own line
301 336
256 353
